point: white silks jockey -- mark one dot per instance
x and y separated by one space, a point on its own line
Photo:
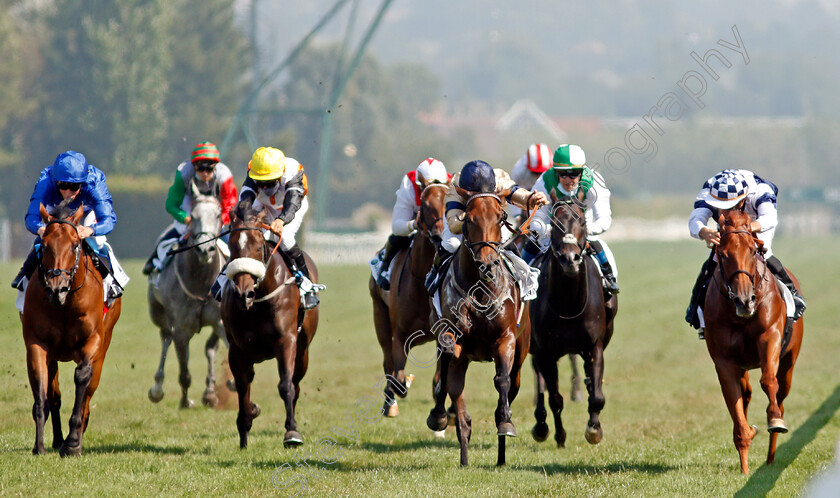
569 176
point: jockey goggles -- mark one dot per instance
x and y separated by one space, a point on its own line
569 173
205 166
73 187
267 184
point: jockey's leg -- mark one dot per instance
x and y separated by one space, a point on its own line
537 236
449 243
28 268
300 271
602 254
778 269
150 265
395 244
698 293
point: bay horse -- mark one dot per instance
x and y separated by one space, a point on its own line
64 319
263 319
745 319
480 301
569 316
180 303
400 313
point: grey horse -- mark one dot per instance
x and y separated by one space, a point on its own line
180 303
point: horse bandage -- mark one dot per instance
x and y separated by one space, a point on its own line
250 266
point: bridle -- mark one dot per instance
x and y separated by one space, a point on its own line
60 272
568 238
727 281
473 247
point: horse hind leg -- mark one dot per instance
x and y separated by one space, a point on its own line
54 402
576 391
243 374
548 370
156 391
209 397
182 349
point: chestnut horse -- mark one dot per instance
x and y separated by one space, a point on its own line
263 319
64 320
745 318
400 313
476 327
569 316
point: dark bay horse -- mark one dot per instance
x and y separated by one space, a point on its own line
400 313
745 324
180 303
480 301
569 316
263 320
64 320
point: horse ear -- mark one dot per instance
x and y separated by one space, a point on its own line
76 218
462 192
45 216
721 220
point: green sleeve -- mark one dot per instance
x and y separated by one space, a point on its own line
586 179
175 198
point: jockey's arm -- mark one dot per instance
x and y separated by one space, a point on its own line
293 198
599 198
454 206
32 219
766 215
175 197
228 200
405 207
103 209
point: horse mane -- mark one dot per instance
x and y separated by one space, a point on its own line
245 211
63 210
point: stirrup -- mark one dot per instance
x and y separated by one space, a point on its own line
799 307
310 300
701 333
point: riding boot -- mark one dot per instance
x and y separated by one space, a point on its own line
26 271
302 277
699 292
395 244
432 279
149 266
610 284
530 251
778 269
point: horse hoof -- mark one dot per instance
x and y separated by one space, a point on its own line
57 443
436 423
540 432
408 380
186 403
577 395
255 410
231 385
292 439
70 450
209 399
777 425
594 435
392 410
155 394
440 434
39 450
506 429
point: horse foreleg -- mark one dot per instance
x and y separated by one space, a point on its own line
731 377
548 369
455 388
54 403
437 418
785 377
399 359
36 363
768 353
540 430
182 349
156 391
210 348
82 379
286 354
243 374
594 365
577 393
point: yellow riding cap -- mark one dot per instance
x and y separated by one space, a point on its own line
267 163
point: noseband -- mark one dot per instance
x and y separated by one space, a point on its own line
727 281
473 247
568 238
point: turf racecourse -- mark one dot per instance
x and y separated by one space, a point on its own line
666 428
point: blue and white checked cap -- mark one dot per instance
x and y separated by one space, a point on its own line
726 189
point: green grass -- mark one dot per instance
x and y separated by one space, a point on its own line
667 431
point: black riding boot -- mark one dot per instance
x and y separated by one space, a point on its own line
699 292
395 244
433 278
28 268
778 269
299 270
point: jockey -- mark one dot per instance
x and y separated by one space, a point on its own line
204 174
567 178
480 177
736 189
71 177
529 167
278 184
406 210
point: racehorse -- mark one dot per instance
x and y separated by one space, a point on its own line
180 303
400 313
569 316
263 319
745 319
64 319
480 302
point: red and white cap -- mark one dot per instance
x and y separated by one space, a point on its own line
432 171
539 158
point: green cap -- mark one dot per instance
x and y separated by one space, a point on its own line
569 157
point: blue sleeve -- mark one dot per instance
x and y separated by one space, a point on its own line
45 194
102 205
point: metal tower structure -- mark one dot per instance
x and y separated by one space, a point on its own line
243 122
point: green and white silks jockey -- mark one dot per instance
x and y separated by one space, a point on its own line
568 175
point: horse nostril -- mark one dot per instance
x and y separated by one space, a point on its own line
251 294
752 298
